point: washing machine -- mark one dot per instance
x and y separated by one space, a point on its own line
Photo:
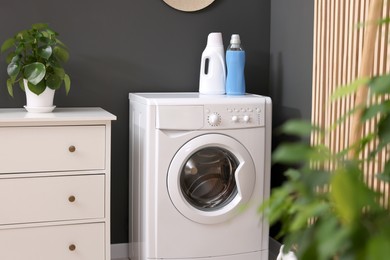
199 170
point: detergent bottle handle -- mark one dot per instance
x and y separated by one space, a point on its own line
205 65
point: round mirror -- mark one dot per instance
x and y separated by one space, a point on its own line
188 5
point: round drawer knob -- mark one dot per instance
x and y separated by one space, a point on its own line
72 247
72 148
72 198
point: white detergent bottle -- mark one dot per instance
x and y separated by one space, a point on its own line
212 68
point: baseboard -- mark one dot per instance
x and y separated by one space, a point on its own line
120 251
274 248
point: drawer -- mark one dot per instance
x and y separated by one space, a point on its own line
70 242
55 148
26 200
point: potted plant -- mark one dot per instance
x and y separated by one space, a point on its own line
35 63
325 207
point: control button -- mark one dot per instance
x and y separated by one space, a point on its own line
235 119
230 110
236 110
242 109
214 119
246 119
250 110
258 110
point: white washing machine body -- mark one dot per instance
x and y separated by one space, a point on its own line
200 168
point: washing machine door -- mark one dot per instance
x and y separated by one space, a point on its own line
210 178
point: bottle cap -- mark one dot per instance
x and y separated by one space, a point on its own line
215 39
235 39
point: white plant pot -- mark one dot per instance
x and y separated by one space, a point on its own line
289 256
42 103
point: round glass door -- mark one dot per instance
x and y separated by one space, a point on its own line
207 178
210 177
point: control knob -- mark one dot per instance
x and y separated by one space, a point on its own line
246 118
214 119
235 119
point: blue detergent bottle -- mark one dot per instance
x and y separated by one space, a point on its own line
235 63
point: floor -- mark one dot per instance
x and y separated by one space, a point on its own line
271 257
274 247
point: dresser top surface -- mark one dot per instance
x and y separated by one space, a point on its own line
10 115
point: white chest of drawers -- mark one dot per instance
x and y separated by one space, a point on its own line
55 184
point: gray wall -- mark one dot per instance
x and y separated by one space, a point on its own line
291 54
123 46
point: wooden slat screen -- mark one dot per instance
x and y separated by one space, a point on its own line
338 43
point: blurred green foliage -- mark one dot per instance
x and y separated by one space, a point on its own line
346 219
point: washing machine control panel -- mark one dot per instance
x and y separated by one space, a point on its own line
234 116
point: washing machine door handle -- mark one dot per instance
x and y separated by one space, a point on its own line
245 180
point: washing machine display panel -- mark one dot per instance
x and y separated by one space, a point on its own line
207 178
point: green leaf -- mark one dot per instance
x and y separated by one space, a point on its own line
53 33
45 52
13 69
381 84
21 84
292 174
7 44
34 72
38 88
378 247
53 81
277 205
316 178
306 244
61 53
331 236
9 87
342 118
61 43
15 58
384 131
10 57
40 26
298 127
345 90
375 109
384 20
291 153
67 83
385 175
350 194
297 239
21 48
60 72
22 35
320 153
308 211
343 194
45 36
